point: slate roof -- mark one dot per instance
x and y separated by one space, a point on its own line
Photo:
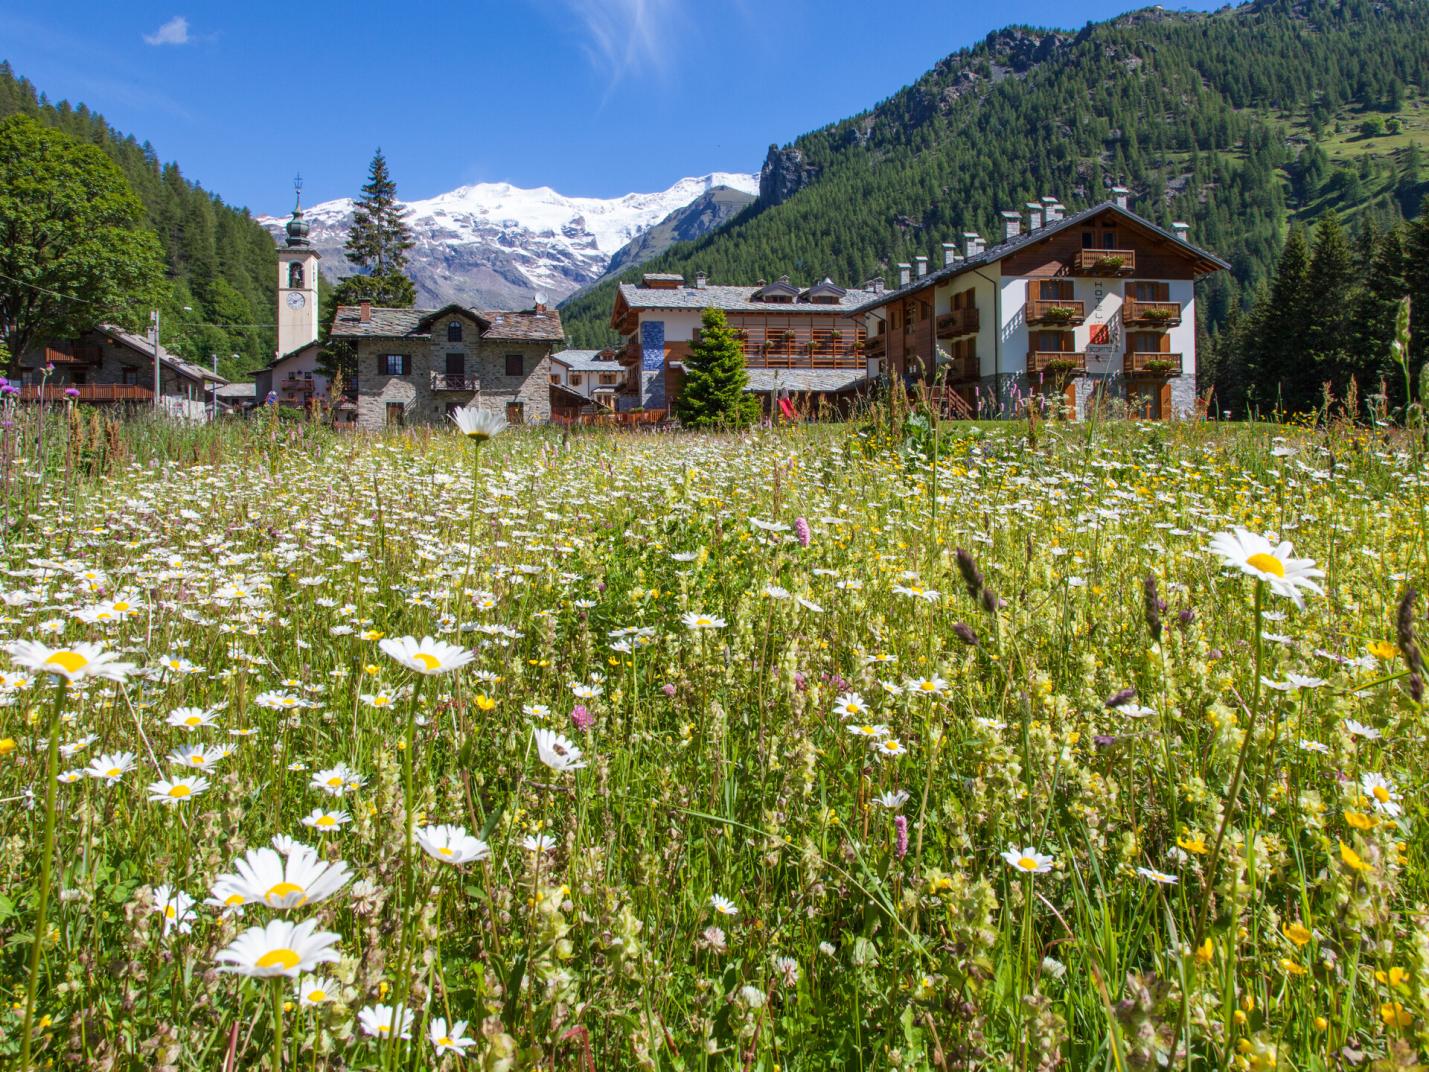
586 361
283 357
1002 249
526 325
764 381
734 300
141 345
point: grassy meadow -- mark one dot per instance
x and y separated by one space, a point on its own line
806 749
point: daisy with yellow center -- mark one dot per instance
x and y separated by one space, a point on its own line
317 990
1028 861
1273 564
280 948
283 880
326 821
451 844
73 663
426 656
177 791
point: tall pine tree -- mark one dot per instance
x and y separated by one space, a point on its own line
714 394
1276 327
379 238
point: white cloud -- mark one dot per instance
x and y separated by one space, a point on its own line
627 37
173 32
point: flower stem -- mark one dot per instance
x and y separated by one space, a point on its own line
277 988
46 856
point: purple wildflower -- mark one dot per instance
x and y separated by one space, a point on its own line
581 718
668 689
801 530
900 824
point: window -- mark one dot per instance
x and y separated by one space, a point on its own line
608 379
515 411
396 411
1054 341
129 375
394 364
1109 240
295 276
576 379
1055 290
1150 292
515 365
454 331
1088 240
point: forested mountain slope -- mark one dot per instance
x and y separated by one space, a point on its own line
1235 121
221 263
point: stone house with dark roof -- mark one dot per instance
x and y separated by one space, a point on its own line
414 366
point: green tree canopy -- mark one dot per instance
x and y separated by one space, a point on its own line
714 394
379 238
73 247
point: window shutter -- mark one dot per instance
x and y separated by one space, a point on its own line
406 364
381 364
1163 292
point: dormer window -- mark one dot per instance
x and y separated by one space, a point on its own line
780 292
454 331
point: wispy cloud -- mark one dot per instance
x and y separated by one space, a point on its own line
627 37
173 32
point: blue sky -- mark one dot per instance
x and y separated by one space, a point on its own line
591 97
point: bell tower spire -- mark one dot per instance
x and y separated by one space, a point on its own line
297 281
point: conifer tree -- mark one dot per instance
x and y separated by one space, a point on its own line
1276 328
379 237
714 393
1330 280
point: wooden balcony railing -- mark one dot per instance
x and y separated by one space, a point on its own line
1152 363
1056 312
1151 314
801 343
88 392
1055 362
808 361
1104 262
957 322
296 386
455 381
72 355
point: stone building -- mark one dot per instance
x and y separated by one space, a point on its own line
414 366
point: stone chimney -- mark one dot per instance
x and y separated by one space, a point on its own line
950 253
700 281
1034 215
875 285
905 271
1121 195
922 263
540 309
1054 211
1011 225
972 243
1180 230
364 311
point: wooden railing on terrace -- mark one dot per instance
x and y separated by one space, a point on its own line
455 381
1104 262
1040 361
1056 312
1151 363
957 322
88 392
1153 314
962 370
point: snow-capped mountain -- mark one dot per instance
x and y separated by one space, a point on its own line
495 245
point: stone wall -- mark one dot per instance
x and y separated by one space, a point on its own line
427 401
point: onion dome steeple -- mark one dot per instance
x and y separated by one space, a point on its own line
297 227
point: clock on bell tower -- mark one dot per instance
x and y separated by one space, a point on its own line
297 283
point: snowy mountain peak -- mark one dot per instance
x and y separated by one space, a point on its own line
494 244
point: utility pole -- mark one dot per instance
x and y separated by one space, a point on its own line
213 390
154 318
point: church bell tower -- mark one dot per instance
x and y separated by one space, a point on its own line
297 282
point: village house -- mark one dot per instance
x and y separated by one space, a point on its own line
1094 305
804 343
587 380
111 366
415 366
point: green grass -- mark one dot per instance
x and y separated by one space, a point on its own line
717 760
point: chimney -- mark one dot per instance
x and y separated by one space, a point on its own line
540 309
1054 211
1122 196
700 281
1034 215
876 285
950 253
364 312
922 263
1180 230
904 271
1011 225
972 243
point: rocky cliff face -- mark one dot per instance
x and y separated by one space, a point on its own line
784 174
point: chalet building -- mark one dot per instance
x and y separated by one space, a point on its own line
806 342
417 365
110 366
1100 303
585 381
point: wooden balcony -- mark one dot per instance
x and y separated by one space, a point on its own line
1044 362
764 348
875 346
298 386
1153 363
72 354
1151 314
455 381
1056 312
1104 263
88 392
958 322
806 361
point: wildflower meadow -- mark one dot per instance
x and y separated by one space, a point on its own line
808 748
